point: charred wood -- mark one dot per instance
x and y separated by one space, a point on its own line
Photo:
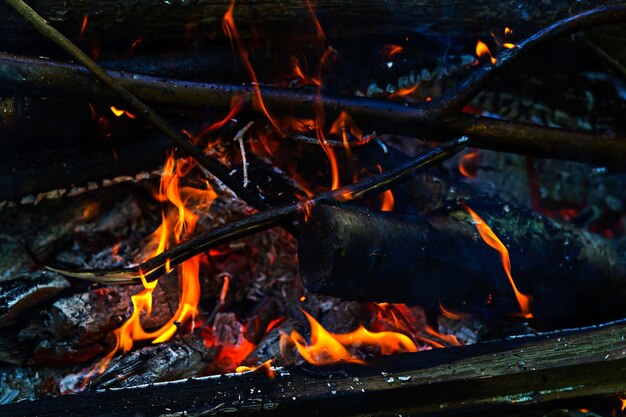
35 76
498 377
362 255
182 23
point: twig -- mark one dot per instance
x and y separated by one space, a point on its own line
244 161
215 167
452 101
258 222
607 60
32 75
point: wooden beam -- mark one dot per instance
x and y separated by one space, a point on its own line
505 375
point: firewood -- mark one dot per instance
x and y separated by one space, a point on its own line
573 276
499 377
370 186
35 76
184 21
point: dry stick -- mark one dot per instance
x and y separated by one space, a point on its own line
453 100
607 60
258 222
37 76
215 167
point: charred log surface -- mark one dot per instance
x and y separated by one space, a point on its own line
367 256
189 23
35 76
496 377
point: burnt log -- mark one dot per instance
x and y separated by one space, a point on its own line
182 23
494 378
572 275
32 76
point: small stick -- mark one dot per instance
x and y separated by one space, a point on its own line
264 220
244 161
607 60
220 171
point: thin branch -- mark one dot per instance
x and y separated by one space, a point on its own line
215 167
451 102
32 75
258 222
607 60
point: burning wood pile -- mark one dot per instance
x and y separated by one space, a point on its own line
238 199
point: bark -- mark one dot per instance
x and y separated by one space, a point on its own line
35 76
573 276
111 22
498 377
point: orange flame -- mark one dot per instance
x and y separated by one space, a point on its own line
188 280
453 315
508 31
466 164
492 240
403 92
83 26
265 366
389 51
388 201
482 50
228 25
326 348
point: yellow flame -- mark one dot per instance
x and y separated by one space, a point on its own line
483 50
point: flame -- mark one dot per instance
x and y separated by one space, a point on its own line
83 26
235 107
224 291
492 240
188 272
389 51
136 43
453 315
466 163
119 112
326 348
228 25
403 92
482 50
304 79
388 201
508 31
265 366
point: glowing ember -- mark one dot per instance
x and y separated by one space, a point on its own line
326 348
492 240
483 51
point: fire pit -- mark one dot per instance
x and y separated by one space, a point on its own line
371 209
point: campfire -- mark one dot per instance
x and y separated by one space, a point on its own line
356 209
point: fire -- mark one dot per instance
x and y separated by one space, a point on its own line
482 50
403 92
390 51
83 26
326 348
228 25
492 240
304 79
119 112
265 366
466 165
188 273
388 201
508 31
453 315
623 400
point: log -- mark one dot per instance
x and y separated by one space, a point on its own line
36 76
112 23
573 276
493 378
